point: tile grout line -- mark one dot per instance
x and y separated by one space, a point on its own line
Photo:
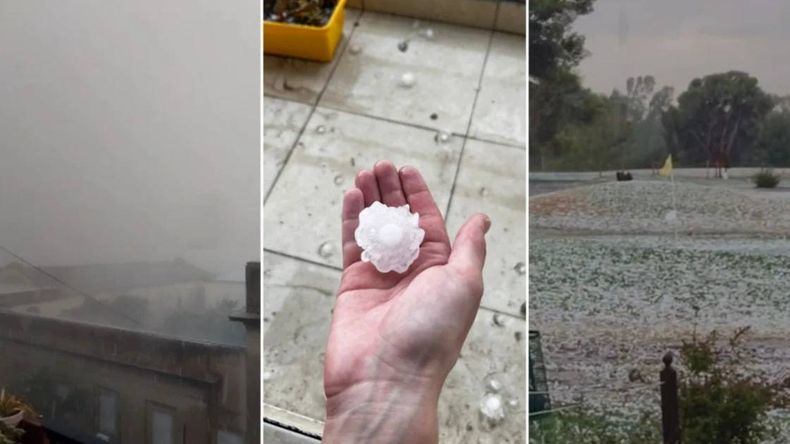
338 269
441 21
502 144
313 107
301 259
471 117
397 122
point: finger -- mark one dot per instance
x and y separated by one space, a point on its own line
469 248
353 203
420 201
389 184
366 182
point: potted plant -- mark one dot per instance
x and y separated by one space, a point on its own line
307 29
13 409
10 435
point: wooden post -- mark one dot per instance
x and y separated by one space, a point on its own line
670 414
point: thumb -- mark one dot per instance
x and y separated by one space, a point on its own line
469 248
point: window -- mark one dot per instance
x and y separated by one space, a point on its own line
108 413
224 437
161 424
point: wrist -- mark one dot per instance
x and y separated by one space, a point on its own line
384 411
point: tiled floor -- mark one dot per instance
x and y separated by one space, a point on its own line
324 122
500 110
332 149
446 72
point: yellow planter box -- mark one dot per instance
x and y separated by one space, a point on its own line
305 42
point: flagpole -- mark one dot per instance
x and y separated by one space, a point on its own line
674 206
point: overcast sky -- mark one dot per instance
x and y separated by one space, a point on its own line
678 40
130 140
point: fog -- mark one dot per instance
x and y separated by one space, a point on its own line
128 135
129 156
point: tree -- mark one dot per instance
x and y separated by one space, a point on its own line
773 146
593 144
717 119
660 102
556 95
637 121
575 129
635 101
554 105
553 46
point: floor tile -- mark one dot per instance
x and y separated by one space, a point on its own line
446 71
297 313
492 180
298 299
277 435
495 349
303 80
303 210
500 113
511 17
282 122
477 13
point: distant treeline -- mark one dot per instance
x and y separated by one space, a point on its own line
721 120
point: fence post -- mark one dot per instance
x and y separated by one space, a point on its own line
670 415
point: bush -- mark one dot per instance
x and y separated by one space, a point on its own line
581 425
766 179
719 403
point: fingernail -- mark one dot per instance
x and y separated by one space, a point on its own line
486 224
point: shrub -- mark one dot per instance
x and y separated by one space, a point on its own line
581 425
766 179
719 403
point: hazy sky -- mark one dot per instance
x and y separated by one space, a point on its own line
678 40
130 132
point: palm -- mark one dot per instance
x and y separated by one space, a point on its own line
413 322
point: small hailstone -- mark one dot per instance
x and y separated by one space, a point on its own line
407 80
326 250
493 385
355 48
492 409
427 33
443 136
390 237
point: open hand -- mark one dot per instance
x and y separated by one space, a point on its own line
395 337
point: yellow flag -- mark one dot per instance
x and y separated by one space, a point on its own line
666 170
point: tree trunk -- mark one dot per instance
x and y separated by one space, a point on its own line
731 141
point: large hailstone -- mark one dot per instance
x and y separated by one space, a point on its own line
390 237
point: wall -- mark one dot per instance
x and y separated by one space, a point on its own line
61 365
